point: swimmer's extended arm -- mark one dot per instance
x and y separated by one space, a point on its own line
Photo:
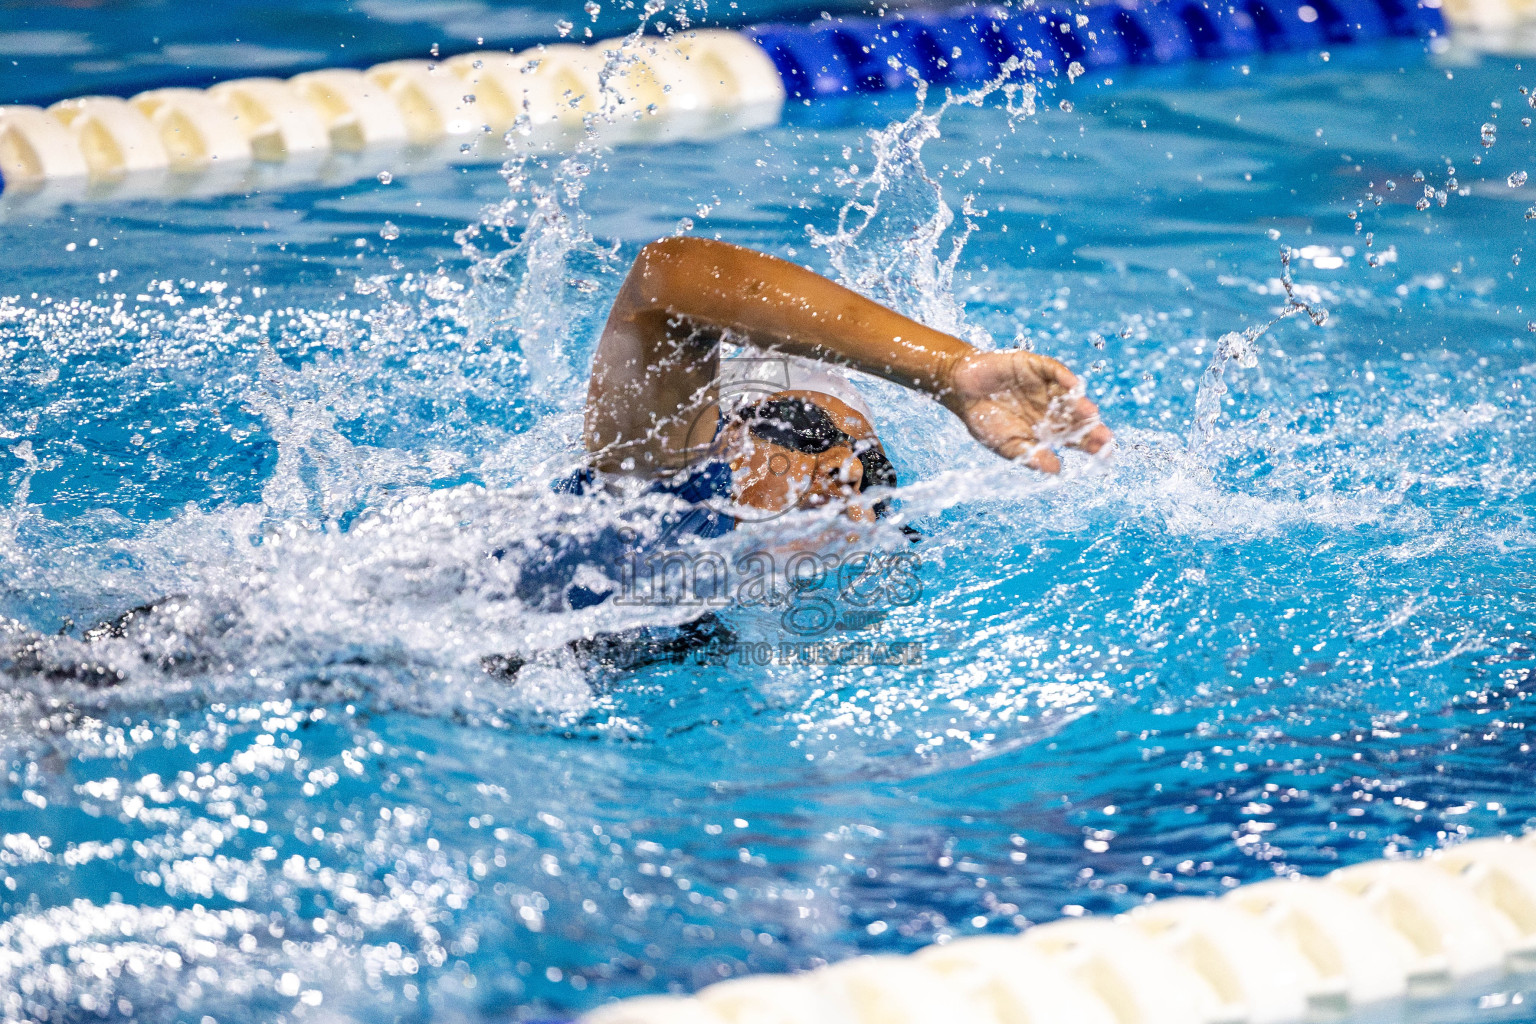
651 399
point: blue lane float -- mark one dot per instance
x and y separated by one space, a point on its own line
1220 31
810 62
1090 37
1353 21
847 55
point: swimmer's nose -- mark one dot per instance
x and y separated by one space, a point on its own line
846 469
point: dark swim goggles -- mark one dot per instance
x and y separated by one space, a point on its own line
803 426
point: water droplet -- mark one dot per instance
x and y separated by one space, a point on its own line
1422 204
1530 213
593 9
1516 179
435 51
1391 185
563 27
1490 133
385 177
389 232
1530 325
1451 184
1515 259
1066 105
1274 234
1418 175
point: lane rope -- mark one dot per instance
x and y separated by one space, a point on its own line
692 85
1274 952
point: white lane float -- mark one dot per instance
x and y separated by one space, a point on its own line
734 69
774 999
278 122
196 130
1503 874
1359 959
431 98
655 1010
693 84
1454 934
496 80
1281 951
1258 977
1016 982
35 147
896 990
113 136
653 77
358 112
1140 981
562 82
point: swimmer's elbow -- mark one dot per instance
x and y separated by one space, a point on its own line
669 270
649 285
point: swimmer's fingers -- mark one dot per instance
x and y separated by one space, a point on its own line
1085 430
1031 452
1090 433
1044 460
1096 440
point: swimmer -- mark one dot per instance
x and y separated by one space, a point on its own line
653 407
654 416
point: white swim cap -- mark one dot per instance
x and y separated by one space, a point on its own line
744 379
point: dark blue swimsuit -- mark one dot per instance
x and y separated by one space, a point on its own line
545 580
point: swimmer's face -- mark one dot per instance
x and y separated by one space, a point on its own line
779 476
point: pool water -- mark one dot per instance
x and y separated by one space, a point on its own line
1294 635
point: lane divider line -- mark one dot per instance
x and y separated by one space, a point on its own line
678 86
1281 951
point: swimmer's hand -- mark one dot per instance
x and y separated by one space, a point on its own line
1021 405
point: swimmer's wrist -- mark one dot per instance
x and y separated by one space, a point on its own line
947 369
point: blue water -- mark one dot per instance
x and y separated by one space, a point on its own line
1298 639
